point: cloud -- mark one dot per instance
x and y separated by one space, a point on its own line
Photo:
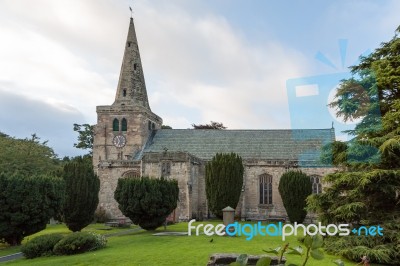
199 66
21 117
204 64
57 58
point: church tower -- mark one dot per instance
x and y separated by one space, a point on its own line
124 127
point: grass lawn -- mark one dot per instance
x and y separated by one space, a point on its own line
62 229
142 248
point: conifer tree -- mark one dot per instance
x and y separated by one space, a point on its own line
26 204
81 193
366 193
147 201
224 181
294 188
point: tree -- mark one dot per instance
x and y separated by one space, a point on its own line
26 204
350 155
294 188
224 182
166 127
85 137
373 95
81 193
362 198
212 125
334 153
27 157
367 192
147 201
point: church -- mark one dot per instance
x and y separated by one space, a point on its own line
129 142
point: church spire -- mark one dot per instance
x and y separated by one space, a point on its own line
131 85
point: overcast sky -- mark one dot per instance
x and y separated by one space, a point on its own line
220 60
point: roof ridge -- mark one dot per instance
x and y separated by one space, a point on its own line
222 130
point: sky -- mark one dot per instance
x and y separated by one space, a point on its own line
248 64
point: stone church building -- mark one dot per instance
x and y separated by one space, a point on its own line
129 142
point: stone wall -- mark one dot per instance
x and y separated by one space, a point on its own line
108 183
136 135
188 171
111 162
250 205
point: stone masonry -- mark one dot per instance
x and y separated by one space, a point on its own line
129 143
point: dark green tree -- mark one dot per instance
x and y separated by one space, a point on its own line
147 201
212 125
85 137
294 188
373 95
334 153
81 193
362 198
367 192
26 204
224 182
166 127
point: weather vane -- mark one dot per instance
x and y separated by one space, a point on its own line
130 8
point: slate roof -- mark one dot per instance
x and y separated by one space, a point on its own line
297 144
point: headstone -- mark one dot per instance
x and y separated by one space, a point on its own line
52 221
228 216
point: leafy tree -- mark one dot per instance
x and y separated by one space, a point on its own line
334 153
147 201
26 204
294 188
351 154
26 156
362 198
373 95
367 193
224 181
212 125
358 197
166 127
85 137
81 193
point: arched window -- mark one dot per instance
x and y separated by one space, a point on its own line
316 184
124 125
265 184
116 125
131 174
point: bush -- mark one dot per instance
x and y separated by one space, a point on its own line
147 201
380 249
294 188
81 193
26 204
79 242
41 246
224 182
